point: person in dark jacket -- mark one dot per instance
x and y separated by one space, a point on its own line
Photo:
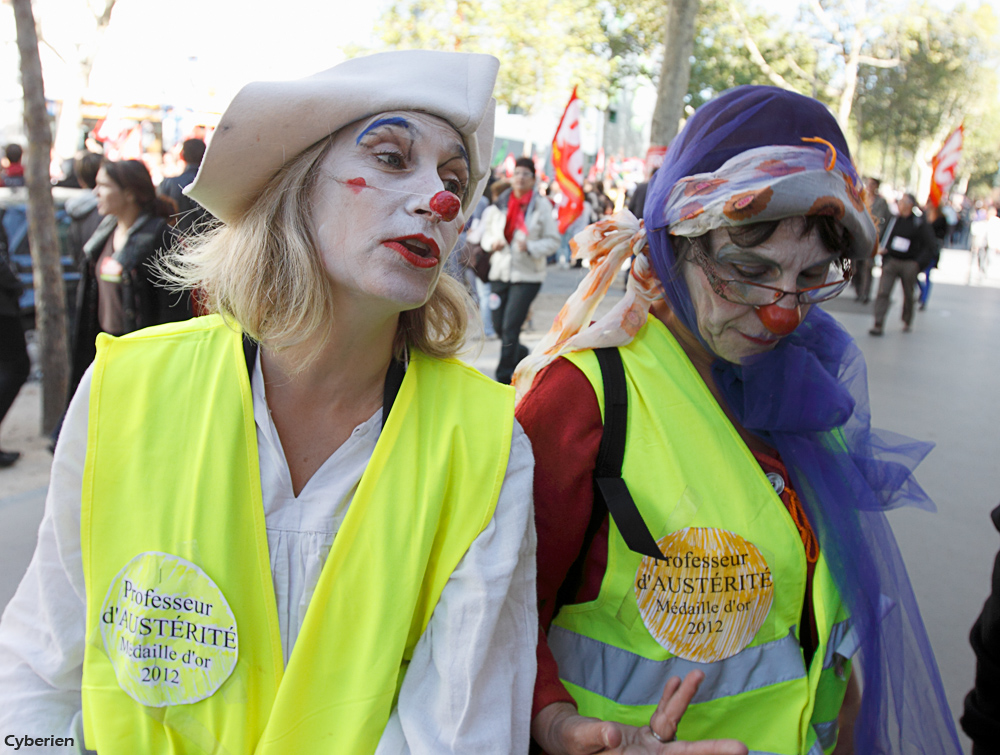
189 212
981 719
638 200
14 362
119 289
906 246
84 216
932 253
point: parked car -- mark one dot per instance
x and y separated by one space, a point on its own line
14 216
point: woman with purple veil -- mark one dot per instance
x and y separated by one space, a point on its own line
710 496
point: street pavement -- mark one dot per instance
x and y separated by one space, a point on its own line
937 383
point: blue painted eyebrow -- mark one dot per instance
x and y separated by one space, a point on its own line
394 121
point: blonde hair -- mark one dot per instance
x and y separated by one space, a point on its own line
264 272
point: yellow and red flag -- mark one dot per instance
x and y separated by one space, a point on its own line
568 163
944 165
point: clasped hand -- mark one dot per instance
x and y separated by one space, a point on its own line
560 730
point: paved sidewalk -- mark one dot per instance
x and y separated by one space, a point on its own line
22 487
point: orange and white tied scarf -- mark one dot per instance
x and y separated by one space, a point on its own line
605 245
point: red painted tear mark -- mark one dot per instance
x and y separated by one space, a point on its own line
446 205
356 184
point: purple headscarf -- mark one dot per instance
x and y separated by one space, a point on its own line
808 398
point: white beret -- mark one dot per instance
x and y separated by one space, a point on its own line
269 123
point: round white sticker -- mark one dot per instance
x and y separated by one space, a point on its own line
168 630
709 596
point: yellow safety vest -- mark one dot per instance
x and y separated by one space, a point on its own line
183 651
728 598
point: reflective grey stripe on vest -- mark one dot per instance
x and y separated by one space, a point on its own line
841 637
630 679
827 733
844 638
816 749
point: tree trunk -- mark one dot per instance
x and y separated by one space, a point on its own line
678 42
50 297
859 117
850 80
885 149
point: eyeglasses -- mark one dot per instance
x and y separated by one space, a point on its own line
742 291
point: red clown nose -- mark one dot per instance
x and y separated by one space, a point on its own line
779 320
446 205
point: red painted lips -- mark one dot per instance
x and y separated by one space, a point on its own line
419 250
760 341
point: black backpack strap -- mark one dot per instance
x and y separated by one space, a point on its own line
611 494
611 454
393 378
609 487
249 353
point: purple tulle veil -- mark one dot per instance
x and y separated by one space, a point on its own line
808 398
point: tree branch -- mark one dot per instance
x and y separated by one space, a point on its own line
104 18
827 89
776 78
868 60
827 22
43 41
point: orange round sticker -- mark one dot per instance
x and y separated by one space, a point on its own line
709 596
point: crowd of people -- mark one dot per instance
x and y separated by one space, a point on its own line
911 238
510 239
298 523
117 232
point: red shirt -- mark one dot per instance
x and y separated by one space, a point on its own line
562 418
15 171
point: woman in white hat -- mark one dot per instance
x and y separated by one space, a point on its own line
297 525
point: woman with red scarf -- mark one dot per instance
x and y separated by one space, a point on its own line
521 232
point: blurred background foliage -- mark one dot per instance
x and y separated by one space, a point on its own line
899 76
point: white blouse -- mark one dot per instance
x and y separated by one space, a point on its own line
469 685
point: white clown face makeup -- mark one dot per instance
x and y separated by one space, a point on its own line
786 260
377 207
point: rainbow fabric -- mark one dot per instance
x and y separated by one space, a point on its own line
773 183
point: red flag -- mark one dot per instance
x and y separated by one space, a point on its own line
568 163
944 165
